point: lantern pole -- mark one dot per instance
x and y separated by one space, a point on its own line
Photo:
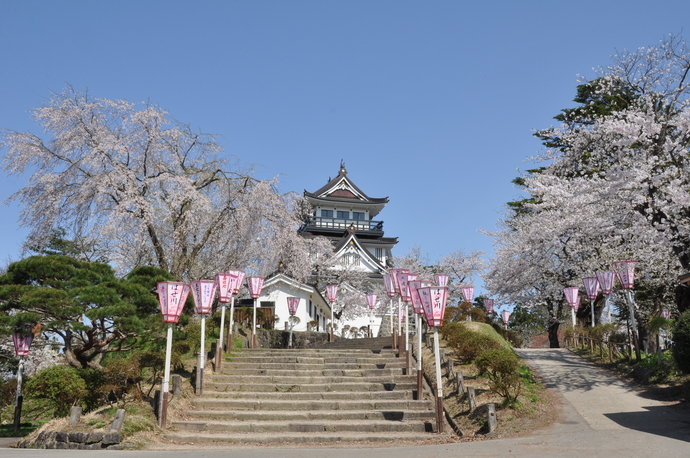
222 281
236 285
390 292
255 283
433 300
165 386
592 290
417 306
293 303
371 302
395 281
19 399
22 343
331 292
572 297
231 324
203 293
625 270
171 296
331 336
505 315
605 280
222 326
404 280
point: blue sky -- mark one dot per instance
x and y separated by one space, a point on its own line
432 103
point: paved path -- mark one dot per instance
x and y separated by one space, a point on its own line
602 417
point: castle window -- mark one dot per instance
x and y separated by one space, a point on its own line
357 215
351 260
379 254
327 213
343 215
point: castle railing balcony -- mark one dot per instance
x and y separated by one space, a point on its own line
323 224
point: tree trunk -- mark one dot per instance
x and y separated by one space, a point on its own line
682 298
553 334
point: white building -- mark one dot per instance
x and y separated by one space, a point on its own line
312 306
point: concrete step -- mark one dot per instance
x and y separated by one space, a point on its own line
315 351
305 415
260 359
205 403
376 343
314 372
312 396
315 380
357 386
297 426
297 437
305 396
390 364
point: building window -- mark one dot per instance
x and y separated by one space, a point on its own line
327 213
343 215
351 259
357 215
379 254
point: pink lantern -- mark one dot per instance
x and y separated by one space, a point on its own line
254 284
226 284
572 296
591 287
468 293
395 276
441 279
666 314
172 296
293 303
240 278
434 304
505 316
22 343
332 292
489 305
404 279
605 280
388 282
416 300
203 292
371 300
625 271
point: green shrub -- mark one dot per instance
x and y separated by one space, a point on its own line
193 340
122 376
502 367
466 343
182 347
94 381
681 342
152 364
60 385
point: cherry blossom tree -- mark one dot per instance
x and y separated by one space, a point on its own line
150 191
461 268
614 188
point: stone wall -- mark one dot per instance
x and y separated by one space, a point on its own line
280 339
73 441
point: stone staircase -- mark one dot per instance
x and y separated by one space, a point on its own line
308 396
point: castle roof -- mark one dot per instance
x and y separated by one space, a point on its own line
342 190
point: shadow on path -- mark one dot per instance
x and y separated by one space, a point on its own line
605 401
656 421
